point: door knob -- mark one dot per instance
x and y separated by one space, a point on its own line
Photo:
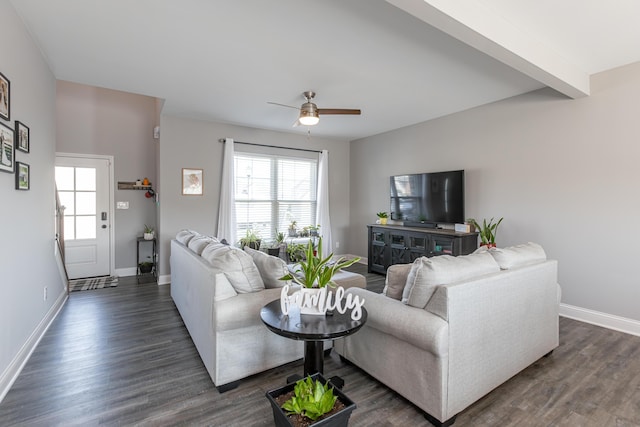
104 226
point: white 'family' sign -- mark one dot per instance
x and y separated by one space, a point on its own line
324 300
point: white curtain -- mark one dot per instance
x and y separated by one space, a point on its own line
227 213
322 207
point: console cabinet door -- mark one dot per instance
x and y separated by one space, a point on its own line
399 248
378 257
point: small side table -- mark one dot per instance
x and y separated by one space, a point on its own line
313 330
153 273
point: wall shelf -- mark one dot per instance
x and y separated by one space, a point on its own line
131 185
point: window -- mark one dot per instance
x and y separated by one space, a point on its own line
77 192
273 191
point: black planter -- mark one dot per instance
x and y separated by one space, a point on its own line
339 419
145 268
273 251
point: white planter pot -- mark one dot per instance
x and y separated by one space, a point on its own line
148 236
310 298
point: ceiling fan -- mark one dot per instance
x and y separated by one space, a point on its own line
310 113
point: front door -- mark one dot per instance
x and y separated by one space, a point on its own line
83 187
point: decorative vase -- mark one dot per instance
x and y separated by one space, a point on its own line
338 419
488 245
148 236
383 221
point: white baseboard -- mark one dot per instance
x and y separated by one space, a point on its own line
597 318
165 279
124 272
17 364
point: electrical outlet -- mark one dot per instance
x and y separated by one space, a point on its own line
337 245
45 294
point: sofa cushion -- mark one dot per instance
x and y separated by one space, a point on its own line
236 265
396 279
199 242
428 273
519 255
271 268
184 236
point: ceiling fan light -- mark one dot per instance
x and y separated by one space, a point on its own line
308 118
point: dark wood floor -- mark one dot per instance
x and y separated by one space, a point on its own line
121 356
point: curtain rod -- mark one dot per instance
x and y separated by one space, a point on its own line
222 140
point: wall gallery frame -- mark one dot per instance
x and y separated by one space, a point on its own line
5 97
23 176
7 150
191 182
22 137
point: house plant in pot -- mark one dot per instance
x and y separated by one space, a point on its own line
314 272
312 401
274 250
148 232
250 239
487 231
382 218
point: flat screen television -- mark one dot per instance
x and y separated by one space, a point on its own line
428 199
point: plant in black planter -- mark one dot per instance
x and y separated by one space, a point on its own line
274 250
145 267
312 401
250 239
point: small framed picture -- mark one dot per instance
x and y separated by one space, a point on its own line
7 150
191 182
22 137
23 176
5 97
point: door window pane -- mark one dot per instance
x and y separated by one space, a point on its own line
85 179
64 178
85 203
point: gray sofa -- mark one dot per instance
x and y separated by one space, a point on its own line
219 297
448 330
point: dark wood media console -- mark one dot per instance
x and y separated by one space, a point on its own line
397 244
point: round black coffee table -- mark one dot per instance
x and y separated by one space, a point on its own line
312 329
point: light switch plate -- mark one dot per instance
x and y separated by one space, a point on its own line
122 205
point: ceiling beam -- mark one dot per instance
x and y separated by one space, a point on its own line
473 23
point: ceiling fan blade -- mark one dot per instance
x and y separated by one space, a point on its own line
283 105
296 123
323 111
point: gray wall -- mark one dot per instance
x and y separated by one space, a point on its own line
93 120
564 173
27 241
186 143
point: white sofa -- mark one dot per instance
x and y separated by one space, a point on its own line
448 330
219 292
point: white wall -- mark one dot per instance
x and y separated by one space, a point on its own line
563 173
186 143
98 121
27 241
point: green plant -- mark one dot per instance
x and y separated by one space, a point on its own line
488 230
293 225
382 215
296 252
311 399
279 239
148 229
250 239
315 271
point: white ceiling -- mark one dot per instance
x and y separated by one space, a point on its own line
223 60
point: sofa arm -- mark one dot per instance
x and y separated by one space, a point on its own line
416 326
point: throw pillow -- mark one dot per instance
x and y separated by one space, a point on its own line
184 236
271 268
396 280
444 270
237 266
199 242
519 255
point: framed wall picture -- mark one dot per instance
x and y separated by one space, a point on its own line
7 150
191 182
5 97
23 176
22 137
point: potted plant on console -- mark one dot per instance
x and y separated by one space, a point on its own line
312 401
382 217
487 231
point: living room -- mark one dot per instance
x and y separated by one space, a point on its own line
559 170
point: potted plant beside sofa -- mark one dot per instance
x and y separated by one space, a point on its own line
311 401
274 250
487 231
250 239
